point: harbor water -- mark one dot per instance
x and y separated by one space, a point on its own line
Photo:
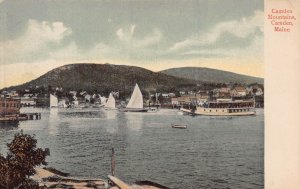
213 152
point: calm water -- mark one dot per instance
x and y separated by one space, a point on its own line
214 152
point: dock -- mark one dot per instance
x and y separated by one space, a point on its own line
21 117
30 116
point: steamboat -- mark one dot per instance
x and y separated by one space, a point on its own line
223 108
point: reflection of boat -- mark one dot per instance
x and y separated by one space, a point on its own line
53 101
180 113
134 121
9 125
178 126
111 102
152 110
110 114
223 108
135 103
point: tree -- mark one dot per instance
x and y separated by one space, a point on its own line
19 164
59 94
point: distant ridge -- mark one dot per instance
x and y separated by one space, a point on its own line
110 77
211 75
105 77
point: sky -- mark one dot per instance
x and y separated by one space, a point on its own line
39 35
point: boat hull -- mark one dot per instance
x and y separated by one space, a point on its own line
220 111
134 110
179 126
110 109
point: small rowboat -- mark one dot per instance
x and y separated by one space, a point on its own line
177 126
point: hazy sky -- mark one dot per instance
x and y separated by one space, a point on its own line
38 35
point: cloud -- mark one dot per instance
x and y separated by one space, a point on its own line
240 29
109 20
127 37
255 49
125 46
43 41
125 34
37 39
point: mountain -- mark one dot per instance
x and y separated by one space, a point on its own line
105 78
211 75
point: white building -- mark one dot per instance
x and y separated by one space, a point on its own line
174 101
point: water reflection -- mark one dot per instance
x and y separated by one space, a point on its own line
110 114
53 121
134 121
109 122
212 153
8 125
82 114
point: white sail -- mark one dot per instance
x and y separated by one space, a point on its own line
53 101
62 104
111 102
103 100
136 100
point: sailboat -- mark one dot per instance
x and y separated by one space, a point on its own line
53 101
135 103
62 104
111 102
102 101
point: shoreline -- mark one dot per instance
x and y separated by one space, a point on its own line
48 177
53 178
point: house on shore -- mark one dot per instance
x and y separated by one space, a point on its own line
28 100
239 91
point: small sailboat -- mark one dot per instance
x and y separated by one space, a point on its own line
102 101
135 103
53 101
111 102
62 104
178 126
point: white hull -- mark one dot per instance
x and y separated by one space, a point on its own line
179 126
105 108
220 111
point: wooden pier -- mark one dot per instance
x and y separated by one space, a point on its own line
10 111
30 116
21 117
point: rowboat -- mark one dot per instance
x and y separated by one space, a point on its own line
177 126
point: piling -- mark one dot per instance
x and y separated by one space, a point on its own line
113 162
29 116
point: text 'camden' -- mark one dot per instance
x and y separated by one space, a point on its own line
281 19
